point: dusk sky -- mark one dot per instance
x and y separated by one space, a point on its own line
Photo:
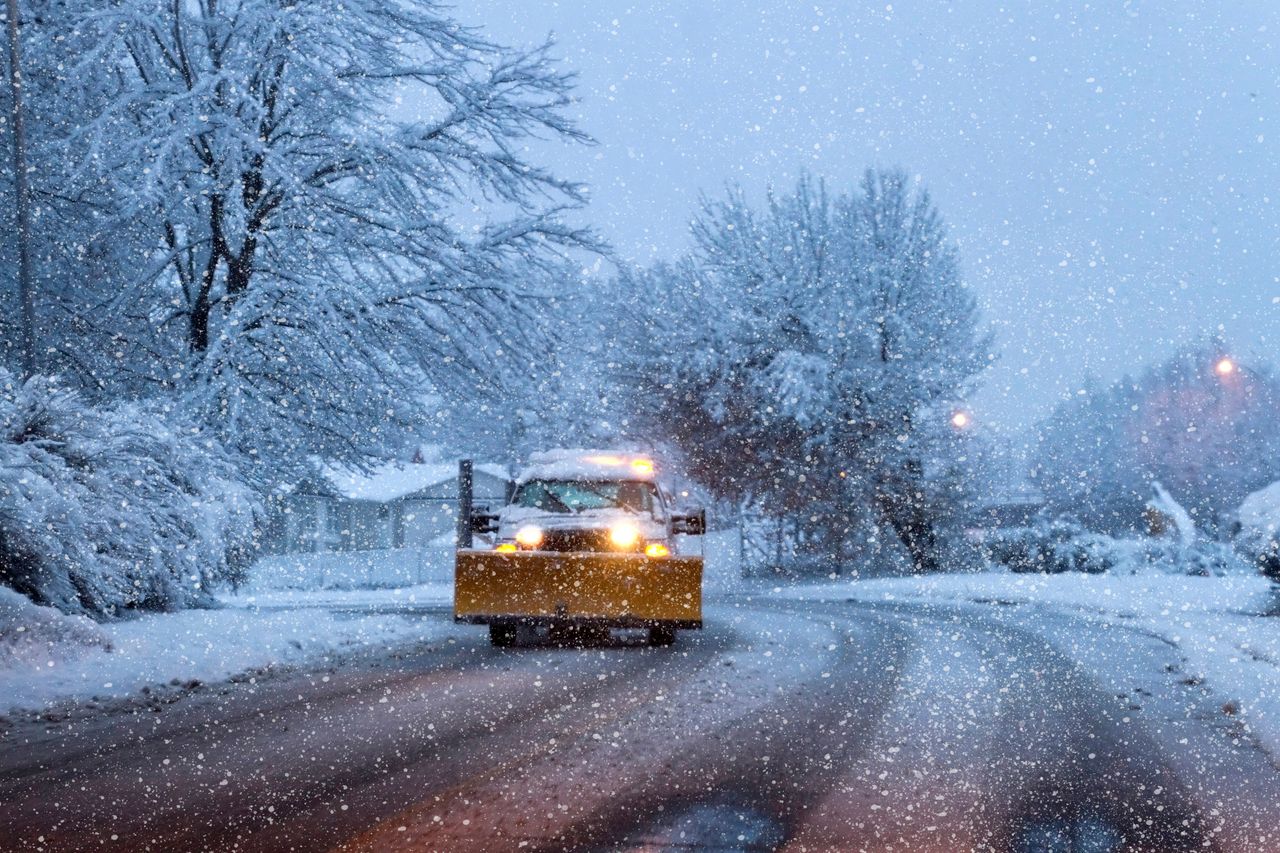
1108 169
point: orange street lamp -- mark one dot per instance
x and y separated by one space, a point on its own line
1225 366
961 420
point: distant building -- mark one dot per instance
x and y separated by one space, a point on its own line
396 505
1013 509
1014 513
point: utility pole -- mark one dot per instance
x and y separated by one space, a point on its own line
466 501
25 296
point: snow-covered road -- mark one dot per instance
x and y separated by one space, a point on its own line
815 724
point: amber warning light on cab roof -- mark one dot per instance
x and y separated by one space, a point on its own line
639 464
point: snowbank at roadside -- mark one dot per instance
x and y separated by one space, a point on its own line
435 594
1150 594
35 636
1219 624
74 659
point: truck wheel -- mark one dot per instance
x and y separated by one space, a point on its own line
661 635
503 636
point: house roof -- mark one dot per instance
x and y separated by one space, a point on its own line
1261 510
393 480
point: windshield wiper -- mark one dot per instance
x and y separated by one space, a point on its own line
563 507
610 501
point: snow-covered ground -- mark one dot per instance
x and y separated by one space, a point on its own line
1219 625
47 658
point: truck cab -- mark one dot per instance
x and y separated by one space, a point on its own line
588 538
595 506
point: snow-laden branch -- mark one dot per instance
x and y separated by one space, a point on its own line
300 244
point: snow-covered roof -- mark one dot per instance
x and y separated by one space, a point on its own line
1260 512
581 464
1164 503
393 480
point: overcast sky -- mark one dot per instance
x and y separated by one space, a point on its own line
1109 169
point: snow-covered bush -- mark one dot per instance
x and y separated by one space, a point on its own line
1049 548
1053 547
1257 529
111 508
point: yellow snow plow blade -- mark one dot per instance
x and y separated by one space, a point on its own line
620 590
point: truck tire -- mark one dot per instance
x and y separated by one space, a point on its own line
502 636
661 635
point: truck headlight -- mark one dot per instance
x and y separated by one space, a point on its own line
624 534
656 549
530 536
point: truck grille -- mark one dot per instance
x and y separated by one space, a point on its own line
575 540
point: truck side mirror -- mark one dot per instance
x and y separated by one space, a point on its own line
691 522
483 521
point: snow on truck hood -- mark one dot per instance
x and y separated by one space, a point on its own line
592 519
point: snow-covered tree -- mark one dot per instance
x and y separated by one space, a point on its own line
554 380
309 253
1203 427
85 247
804 358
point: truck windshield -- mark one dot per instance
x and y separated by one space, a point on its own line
581 495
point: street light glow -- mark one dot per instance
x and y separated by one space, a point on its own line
1225 367
960 420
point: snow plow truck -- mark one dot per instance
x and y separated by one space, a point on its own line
587 541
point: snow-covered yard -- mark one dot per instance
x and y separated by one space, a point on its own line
1219 625
47 658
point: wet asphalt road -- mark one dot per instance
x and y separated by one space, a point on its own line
784 725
